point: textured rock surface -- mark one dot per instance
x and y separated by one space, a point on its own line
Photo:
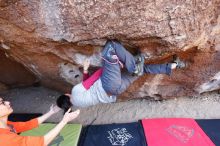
14 74
3 87
51 38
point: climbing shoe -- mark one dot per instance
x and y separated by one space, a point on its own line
179 63
139 62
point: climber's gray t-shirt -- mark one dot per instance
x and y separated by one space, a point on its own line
81 97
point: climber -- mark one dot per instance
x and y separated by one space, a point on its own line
108 82
9 130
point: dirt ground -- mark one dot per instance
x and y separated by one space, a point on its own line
39 99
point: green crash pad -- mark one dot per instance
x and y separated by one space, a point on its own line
69 136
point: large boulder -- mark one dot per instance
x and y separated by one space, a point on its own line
51 38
